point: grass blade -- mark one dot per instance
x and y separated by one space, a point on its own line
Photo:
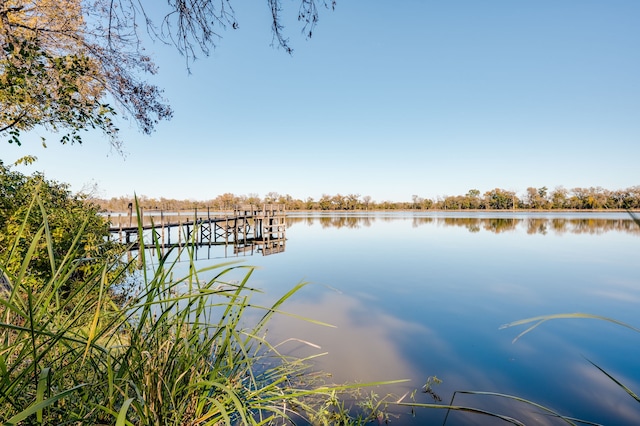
519 399
122 414
616 381
42 386
540 319
33 409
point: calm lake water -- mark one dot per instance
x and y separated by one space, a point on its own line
413 295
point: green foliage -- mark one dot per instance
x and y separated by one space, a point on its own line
71 221
500 199
60 60
40 88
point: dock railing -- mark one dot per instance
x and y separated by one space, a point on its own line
245 225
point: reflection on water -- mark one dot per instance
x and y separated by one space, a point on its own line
533 225
419 295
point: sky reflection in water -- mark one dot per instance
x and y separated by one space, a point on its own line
417 295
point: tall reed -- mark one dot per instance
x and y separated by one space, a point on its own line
179 350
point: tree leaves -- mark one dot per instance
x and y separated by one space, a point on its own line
60 59
54 73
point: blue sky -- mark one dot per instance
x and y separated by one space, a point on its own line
388 99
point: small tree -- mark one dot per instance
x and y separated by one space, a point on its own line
500 199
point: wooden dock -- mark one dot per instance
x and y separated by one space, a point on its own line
247 228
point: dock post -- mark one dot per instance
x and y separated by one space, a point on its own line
179 230
140 237
195 228
226 229
211 229
235 226
162 228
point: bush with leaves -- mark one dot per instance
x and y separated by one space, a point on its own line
71 220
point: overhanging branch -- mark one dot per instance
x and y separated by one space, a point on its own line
14 122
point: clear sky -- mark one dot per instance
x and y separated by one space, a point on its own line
388 99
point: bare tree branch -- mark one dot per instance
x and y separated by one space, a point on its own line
59 59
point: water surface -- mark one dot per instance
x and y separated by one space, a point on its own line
413 295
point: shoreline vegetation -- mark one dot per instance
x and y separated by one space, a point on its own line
534 199
89 338
168 350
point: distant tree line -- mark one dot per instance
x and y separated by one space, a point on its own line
496 199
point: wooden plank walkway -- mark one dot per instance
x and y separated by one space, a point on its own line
248 227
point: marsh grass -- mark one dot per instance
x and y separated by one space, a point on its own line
177 351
